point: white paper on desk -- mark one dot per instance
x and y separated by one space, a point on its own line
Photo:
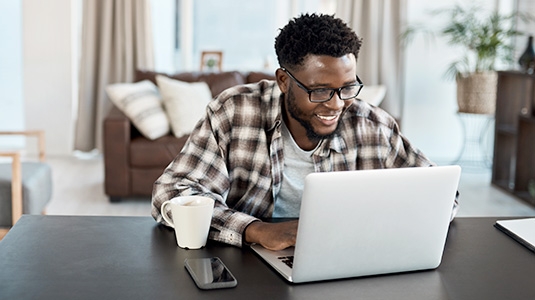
522 230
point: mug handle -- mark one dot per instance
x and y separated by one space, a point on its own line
164 213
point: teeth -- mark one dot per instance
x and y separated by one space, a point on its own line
327 118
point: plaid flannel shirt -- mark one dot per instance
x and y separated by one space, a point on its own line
235 155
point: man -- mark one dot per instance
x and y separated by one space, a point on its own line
257 142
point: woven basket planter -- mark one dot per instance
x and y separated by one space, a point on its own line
476 93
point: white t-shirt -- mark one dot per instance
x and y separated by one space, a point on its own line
297 164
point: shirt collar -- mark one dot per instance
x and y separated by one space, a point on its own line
335 143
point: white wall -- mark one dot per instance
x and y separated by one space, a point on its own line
429 116
50 70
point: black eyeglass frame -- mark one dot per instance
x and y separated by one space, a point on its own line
337 90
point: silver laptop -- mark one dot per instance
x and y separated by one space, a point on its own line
360 223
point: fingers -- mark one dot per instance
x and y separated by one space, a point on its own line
272 236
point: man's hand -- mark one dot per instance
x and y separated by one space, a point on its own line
272 236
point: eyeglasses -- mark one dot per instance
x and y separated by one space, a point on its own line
321 95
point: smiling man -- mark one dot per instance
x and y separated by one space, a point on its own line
257 142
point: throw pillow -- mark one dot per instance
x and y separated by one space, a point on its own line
184 103
142 104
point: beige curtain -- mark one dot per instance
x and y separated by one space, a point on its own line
378 23
116 40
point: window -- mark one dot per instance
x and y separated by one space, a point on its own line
243 30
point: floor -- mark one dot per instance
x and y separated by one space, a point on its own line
78 190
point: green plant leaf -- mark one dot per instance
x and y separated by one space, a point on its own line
486 37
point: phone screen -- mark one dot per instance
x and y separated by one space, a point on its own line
210 273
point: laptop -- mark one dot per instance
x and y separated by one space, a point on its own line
371 222
521 230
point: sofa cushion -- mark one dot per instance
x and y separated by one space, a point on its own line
144 153
141 103
185 103
36 189
217 82
142 180
253 77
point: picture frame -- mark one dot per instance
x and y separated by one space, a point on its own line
211 61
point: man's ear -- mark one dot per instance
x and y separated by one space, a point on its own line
282 80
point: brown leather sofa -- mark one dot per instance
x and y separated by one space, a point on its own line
132 162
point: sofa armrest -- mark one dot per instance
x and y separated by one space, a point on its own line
117 135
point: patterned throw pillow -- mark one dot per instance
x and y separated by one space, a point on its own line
184 102
141 103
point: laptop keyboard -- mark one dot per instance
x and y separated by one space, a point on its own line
288 260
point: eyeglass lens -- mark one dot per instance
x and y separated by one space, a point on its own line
324 95
345 93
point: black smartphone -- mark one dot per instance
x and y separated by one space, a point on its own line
210 273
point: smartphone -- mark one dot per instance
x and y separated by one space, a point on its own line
210 273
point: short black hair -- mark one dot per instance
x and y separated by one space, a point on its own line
317 35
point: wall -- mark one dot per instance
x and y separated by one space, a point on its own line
38 74
50 70
429 117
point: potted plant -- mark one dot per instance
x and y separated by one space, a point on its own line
487 39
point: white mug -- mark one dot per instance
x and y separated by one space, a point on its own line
191 217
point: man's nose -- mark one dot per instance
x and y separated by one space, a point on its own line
335 103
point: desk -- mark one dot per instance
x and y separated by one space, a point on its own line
64 257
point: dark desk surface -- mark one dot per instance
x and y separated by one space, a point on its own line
58 257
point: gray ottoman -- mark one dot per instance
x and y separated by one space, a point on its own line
36 189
